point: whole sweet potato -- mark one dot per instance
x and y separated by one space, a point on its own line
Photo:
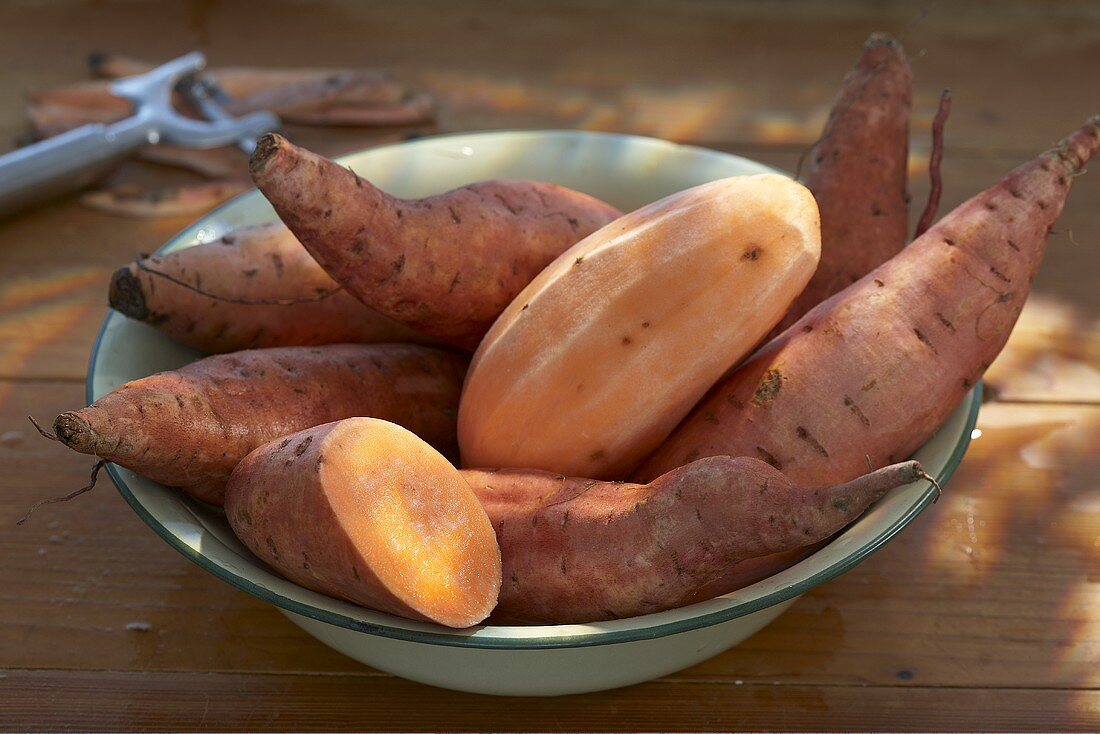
364 510
858 172
254 287
445 265
876 369
579 550
189 427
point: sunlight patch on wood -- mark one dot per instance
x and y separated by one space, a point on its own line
1030 464
24 332
20 292
1053 354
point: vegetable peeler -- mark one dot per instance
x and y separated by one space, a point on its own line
76 158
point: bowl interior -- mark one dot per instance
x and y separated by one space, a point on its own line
626 171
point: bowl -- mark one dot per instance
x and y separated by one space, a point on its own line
627 171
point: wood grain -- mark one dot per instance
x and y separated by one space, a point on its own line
983 615
106 701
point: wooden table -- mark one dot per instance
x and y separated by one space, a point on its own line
984 614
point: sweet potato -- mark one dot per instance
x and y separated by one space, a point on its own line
254 287
297 96
413 110
87 95
240 82
578 550
364 510
445 265
207 162
48 119
189 427
102 65
858 171
598 359
877 368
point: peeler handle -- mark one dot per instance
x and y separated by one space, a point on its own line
65 162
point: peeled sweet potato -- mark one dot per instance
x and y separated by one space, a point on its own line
578 550
598 359
254 287
189 427
363 510
858 172
445 265
876 369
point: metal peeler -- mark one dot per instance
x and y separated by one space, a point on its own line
76 158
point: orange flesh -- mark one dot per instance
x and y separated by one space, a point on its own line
606 350
413 520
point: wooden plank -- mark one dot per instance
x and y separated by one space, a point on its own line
78 573
99 701
996 586
696 70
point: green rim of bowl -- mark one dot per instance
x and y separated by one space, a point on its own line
463 638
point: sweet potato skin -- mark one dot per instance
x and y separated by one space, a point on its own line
189 427
579 550
446 265
621 335
260 264
876 369
389 523
297 96
858 172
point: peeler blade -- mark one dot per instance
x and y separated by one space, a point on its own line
209 100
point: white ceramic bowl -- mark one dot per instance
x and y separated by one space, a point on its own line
539 660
